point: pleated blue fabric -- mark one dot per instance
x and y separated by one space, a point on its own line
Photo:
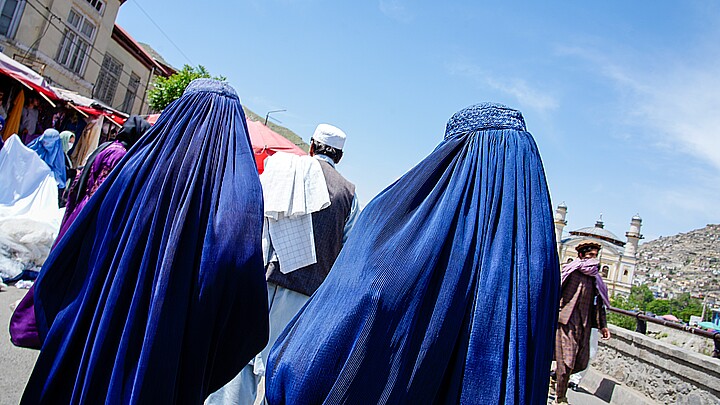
49 147
447 289
156 294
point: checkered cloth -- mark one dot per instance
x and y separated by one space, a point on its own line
293 188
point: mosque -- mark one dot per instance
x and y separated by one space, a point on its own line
618 259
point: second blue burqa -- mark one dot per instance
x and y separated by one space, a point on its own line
156 294
447 289
49 147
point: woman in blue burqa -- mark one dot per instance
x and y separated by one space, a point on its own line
49 147
447 290
156 294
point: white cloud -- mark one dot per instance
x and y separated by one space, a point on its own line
676 98
396 10
519 89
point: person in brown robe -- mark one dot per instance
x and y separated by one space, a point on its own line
583 299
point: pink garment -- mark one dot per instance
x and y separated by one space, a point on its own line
589 267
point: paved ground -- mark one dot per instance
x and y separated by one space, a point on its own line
580 397
15 363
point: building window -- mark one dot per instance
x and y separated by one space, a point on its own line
9 10
108 79
75 46
626 272
97 5
605 271
130 94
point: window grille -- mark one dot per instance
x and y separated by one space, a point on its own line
97 5
75 46
131 93
8 16
108 80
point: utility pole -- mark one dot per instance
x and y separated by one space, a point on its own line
270 112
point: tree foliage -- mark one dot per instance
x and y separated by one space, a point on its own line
660 307
685 306
165 90
642 299
618 301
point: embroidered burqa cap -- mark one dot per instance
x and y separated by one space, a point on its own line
446 290
156 293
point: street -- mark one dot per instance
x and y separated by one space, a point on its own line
15 363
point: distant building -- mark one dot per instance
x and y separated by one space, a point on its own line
76 45
618 259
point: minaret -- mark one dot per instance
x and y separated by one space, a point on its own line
560 222
633 236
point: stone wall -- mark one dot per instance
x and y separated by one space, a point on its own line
658 370
682 339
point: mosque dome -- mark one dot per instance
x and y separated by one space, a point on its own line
599 232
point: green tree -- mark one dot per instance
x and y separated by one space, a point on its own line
640 297
165 90
618 301
659 307
685 306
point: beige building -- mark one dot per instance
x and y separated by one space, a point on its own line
75 44
618 259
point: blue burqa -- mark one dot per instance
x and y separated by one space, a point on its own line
447 289
49 147
156 294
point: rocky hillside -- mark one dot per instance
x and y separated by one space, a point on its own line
687 262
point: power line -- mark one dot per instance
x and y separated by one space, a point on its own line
87 54
163 32
37 41
61 30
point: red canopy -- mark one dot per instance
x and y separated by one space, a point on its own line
26 76
266 142
88 106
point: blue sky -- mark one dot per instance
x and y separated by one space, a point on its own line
623 98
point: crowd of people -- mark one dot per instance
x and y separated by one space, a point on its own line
180 275
51 130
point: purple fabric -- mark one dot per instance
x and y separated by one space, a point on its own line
589 267
30 137
99 170
23 327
